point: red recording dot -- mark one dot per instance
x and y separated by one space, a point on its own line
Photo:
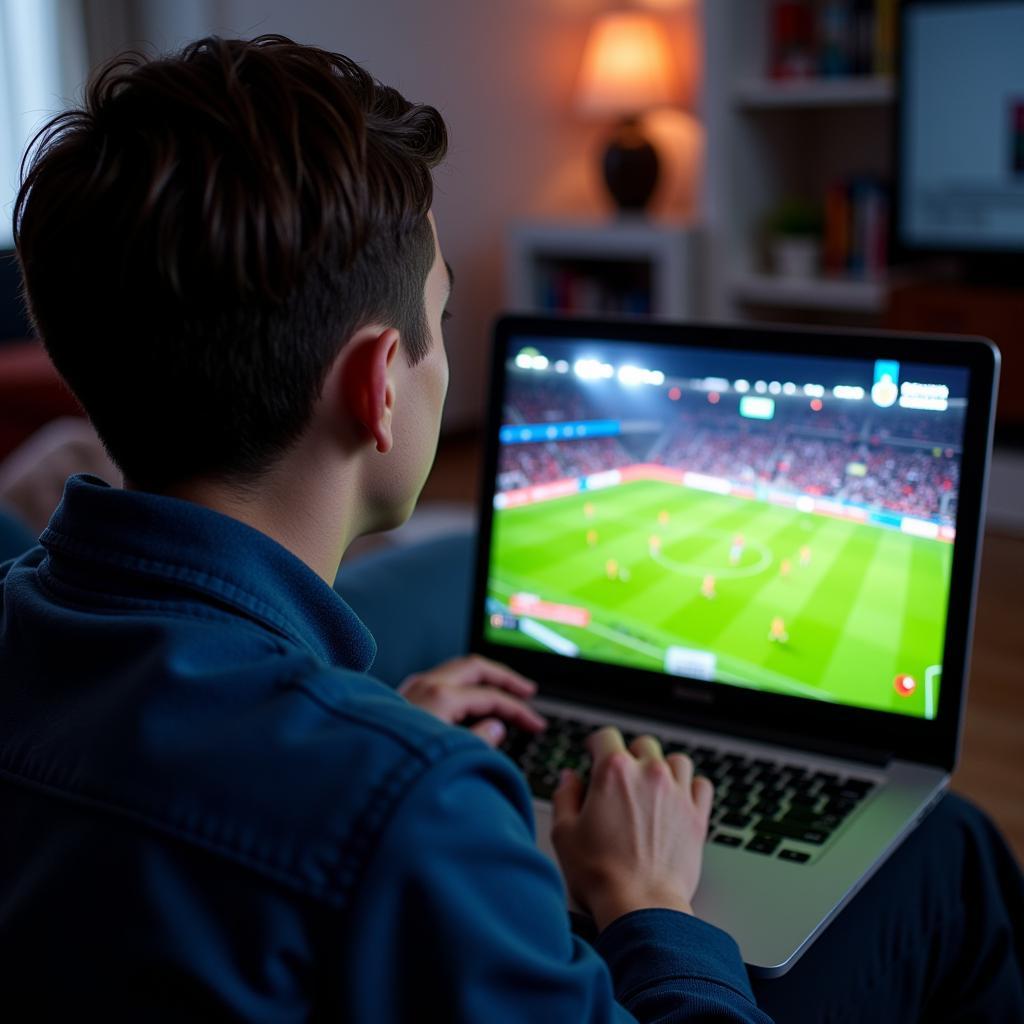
675 394
816 404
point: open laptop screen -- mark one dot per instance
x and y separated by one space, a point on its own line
778 522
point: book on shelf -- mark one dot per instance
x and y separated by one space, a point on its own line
856 240
832 38
568 290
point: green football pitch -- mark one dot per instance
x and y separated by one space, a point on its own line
859 605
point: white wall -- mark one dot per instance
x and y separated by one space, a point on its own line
501 72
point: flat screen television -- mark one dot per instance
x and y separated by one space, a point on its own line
960 134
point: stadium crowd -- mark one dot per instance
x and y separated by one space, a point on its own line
893 460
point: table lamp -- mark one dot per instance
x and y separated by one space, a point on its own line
626 70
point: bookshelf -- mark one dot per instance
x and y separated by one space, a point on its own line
625 267
835 295
769 139
855 91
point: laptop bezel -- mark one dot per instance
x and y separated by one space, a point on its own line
810 724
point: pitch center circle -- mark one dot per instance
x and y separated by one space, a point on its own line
722 572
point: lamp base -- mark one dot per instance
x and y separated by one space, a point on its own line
630 167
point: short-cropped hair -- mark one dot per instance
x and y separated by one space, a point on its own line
202 235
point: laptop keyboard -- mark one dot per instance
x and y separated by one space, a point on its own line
771 808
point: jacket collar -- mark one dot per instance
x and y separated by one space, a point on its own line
180 546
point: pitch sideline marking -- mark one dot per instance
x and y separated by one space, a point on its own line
781 681
929 693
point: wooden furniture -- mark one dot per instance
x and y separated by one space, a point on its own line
996 313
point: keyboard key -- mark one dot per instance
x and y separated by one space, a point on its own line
736 820
819 822
801 800
734 800
763 844
725 839
797 856
768 808
826 778
795 830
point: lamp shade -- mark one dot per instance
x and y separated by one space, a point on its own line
627 66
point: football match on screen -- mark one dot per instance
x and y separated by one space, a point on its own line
784 523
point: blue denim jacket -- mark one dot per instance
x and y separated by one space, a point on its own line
210 811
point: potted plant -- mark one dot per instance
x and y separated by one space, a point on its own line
794 231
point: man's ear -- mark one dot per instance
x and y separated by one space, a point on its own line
368 384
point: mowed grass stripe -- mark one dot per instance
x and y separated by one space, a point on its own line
867 652
538 524
703 620
922 639
819 602
650 583
811 637
566 555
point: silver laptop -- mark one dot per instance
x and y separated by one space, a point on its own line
760 545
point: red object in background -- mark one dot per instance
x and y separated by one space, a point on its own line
816 404
675 394
31 393
792 40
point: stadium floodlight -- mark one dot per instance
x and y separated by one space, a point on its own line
742 386
561 366
760 387
814 391
631 375
789 388
589 369
530 359
849 392
775 388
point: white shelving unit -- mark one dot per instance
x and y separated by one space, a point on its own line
769 94
767 140
825 293
661 254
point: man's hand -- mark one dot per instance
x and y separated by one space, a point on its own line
475 687
637 839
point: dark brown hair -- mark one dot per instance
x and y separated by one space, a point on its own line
201 237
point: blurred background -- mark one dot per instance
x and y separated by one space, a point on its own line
841 162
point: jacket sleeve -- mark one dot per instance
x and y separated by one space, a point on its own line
460 917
